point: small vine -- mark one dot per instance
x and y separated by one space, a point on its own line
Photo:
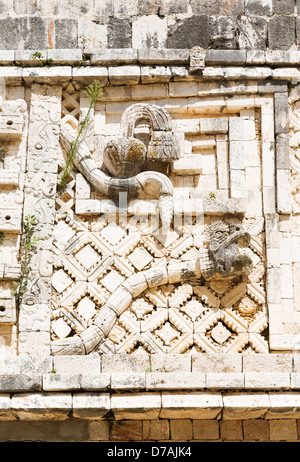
28 246
39 57
1 237
93 92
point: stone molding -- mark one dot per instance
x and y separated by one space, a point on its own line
220 404
150 57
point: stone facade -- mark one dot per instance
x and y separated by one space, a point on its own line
160 297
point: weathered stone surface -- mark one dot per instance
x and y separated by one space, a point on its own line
193 405
31 33
223 32
281 32
286 7
222 7
136 406
252 32
127 431
149 32
19 383
63 39
264 7
119 33
192 32
91 405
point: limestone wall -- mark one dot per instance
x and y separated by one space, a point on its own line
90 24
163 288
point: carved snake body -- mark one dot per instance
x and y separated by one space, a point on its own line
223 258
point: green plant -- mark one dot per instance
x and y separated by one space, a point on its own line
38 55
212 195
93 92
1 237
28 247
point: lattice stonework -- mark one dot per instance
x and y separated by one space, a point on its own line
92 260
97 249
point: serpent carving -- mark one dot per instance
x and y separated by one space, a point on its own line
125 158
223 256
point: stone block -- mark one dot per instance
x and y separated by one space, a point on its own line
282 151
170 363
253 36
153 74
61 382
188 165
245 405
231 431
136 406
34 318
267 380
283 430
155 430
222 32
99 431
228 380
129 75
30 365
214 125
149 32
33 343
121 362
181 430
208 430
284 405
148 92
66 40
256 430
91 405
281 113
219 362
281 32
82 364
19 383
95 382
228 57
169 7
274 285
125 381
262 8
193 31
88 74
119 33
183 89
122 8
159 57
65 56
237 183
175 380
268 363
126 431
46 406
103 8
284 200
283 7
91 35
7 57
110 57
195 405
223 7
5 413
44 75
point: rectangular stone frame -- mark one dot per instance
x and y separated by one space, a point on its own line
272 100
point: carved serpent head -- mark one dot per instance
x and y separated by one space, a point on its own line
225 251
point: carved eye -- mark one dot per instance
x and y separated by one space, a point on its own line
218 234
